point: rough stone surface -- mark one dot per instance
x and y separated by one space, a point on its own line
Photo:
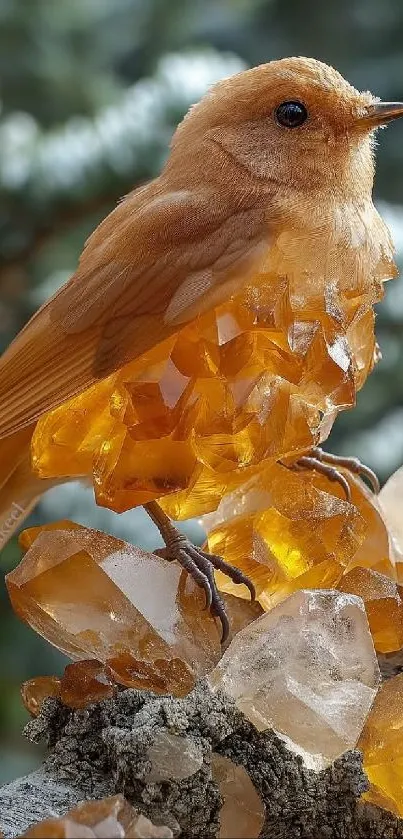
102 750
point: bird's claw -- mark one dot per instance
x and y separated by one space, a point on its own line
330 464
201 565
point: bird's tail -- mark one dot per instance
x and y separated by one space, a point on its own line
20 488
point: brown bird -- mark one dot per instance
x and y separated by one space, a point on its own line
284 153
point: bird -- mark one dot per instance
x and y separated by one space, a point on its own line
270 175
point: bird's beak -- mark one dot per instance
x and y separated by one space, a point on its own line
381 112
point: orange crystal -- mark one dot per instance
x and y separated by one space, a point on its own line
383 605
84 682
94 596
260 378
112 817
34 691
286 530
381 743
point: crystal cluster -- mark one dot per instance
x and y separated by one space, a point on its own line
108 818
281 524
258 379
307 669
305 666
94 596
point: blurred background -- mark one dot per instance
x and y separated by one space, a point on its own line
90 92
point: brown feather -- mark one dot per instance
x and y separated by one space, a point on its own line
114 307
234 182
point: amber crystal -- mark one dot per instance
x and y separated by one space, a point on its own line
94 596
381 743
286 530
260 378
34 691
242 813
84 682
383 605
291 530
108 818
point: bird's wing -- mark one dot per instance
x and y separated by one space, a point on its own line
154 262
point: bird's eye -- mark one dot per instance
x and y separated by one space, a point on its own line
291 114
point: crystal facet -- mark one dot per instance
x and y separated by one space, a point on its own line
34 691
172 757
391 499
383 604
307 669
108 818
242 813
84 682
94 596
381 743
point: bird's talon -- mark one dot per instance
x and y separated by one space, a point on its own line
327 464
351 464
198 563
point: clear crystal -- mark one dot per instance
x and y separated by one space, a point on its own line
173 757
306 669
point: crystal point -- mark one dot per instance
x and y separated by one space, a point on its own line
84 682
307 669
94 596
34 691
383 605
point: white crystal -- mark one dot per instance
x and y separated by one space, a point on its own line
308 670
173 757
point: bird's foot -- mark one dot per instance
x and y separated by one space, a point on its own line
201 565
198 563
330 465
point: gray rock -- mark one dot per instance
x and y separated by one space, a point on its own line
103 750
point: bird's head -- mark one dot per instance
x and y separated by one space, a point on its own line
295 124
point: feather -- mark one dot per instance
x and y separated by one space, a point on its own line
144 258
